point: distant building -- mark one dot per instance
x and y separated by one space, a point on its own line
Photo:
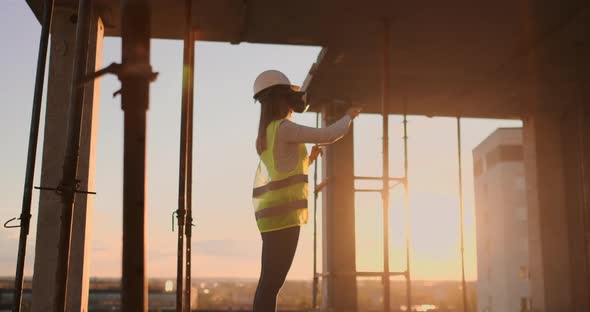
502 225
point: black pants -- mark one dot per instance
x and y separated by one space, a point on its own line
278 249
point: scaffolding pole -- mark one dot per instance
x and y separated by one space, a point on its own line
385 101
135 82
407 216
183 159
462 223
25 216
316 190
189 169
400 180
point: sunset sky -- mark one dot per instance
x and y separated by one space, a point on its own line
226 240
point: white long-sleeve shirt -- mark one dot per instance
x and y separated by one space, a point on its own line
290 134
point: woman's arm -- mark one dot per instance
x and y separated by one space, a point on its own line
291 132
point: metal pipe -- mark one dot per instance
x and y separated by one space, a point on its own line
407 210
70 166
378 178
385 100
369 190
314 301
328 301
182 168
189 171
463 282
25 216
370 274
135 34
361 274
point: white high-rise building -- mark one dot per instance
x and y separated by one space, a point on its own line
502 225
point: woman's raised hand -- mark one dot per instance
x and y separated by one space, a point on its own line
316 151
354 111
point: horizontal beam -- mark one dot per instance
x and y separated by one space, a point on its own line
400 179
368 190
361 274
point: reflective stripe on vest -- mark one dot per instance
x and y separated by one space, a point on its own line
281 209
275 185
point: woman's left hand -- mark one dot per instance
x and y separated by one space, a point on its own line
316 151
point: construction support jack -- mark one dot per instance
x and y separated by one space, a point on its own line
184 212
135 84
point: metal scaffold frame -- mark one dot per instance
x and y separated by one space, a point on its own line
386 274
384 191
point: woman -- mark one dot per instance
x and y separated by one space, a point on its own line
280 187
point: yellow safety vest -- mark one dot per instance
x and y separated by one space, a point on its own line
280 198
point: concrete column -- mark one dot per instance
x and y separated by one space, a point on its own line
557 215
556 140
339 289
58 93
576 136
547 218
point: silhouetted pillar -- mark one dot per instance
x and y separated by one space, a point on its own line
556 151
557 214
339 288
63 36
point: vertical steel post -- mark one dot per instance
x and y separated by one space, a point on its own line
385 100
25 216
189 169
182 181
181 215
69 183
314 299
135 81
407 209
461 209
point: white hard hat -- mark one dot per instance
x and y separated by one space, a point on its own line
271 78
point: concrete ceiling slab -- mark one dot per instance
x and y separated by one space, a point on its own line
448 58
